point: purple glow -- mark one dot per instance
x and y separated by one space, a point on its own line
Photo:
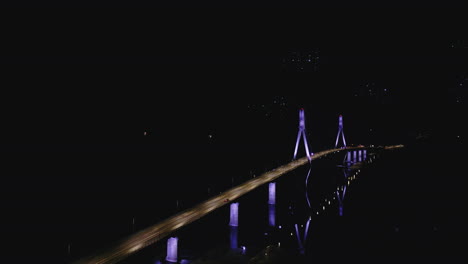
354 156
360 155
306 231
233 238
234 214
364 154
346 173
349 156
298 237
301 119
341 200
271 215
301 132
340 131
272 193
172 249
306 184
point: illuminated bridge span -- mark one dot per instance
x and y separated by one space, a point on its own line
162 229
158 231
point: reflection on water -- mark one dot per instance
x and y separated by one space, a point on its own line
341 189
271 215
233 237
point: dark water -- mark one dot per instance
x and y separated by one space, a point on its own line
406 207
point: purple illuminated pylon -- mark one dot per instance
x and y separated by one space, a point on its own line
302 133
340 131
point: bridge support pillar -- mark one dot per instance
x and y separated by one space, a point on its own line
354 156
364 154
271 204
234 216
172 250
272 193
360 156
234 223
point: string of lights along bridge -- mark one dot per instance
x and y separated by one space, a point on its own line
165 228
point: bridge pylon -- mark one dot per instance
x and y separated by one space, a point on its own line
302 133
340 131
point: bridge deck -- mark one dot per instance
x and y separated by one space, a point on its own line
164 228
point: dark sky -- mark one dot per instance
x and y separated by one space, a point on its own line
69 68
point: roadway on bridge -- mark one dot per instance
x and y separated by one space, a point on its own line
164 228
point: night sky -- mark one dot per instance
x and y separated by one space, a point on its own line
90 96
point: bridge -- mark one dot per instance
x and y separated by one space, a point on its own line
163 229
